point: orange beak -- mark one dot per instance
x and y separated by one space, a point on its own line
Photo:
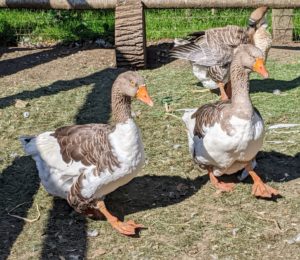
259 67
142 94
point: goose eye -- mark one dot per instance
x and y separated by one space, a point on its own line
132 84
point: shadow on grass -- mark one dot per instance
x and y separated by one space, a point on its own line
97 102
14 65
268 85
150 191
65 234
158 54
19 182
278 167
282 47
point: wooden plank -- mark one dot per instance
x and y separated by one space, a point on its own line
282 25
220 3
110 4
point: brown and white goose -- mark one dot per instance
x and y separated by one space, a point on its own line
83 163
211 51
225 136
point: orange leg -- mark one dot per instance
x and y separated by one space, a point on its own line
259 189
224 96
222 186
228 89
126 228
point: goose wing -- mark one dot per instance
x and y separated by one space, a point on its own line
203 53
88 144
206 116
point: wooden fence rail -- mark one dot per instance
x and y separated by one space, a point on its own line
111 4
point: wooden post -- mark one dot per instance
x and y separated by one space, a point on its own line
130 34
282 24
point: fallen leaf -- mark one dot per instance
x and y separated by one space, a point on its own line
98 252
21 103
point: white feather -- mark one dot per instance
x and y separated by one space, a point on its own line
57 176
227 152
128 148
201 73
190 125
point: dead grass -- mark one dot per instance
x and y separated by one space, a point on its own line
184 216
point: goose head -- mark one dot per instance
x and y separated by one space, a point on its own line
256 20
133 85
258 17
251 59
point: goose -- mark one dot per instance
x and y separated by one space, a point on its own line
211 51
225 136
83 163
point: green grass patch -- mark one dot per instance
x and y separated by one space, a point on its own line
51 25
39 26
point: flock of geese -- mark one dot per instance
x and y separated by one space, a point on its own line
83 163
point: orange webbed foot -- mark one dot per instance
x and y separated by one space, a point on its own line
219 185
128 228
223 186
259 189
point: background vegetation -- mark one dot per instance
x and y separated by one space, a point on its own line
32 26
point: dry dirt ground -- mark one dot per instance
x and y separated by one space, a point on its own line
182 224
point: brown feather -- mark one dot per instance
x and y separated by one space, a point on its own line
207 115
75 199
88 144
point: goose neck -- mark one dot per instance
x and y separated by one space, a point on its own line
240 99
121 106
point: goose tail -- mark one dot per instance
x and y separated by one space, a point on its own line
29 144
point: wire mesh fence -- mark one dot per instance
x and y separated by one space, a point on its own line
174 23
27 27
49 26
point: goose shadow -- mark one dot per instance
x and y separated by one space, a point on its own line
278 167
269 85
284 47
151 191
266 85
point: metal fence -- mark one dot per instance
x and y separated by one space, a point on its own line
46 27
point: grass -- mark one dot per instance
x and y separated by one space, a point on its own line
50 25
35 26
185 217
